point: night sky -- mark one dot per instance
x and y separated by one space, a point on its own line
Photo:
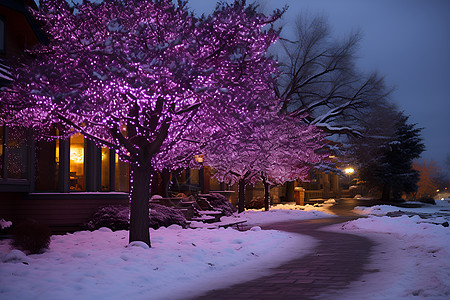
408 41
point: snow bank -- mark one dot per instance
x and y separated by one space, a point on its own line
411 260
181 263
378 210
285 212
438 213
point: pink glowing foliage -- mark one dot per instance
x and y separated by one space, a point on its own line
166 76
276 148
145 78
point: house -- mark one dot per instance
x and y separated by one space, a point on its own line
62 182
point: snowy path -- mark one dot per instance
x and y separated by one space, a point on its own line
337 260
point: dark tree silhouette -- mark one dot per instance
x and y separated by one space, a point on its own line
390 167
320 79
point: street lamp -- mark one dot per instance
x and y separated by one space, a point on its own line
349 171
201 174
199 158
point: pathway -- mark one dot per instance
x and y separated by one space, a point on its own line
338 259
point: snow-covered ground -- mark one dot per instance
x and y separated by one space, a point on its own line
182 263
287 212
412 257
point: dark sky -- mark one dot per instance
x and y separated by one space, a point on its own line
406 40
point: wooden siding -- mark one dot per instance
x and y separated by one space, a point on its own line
62 212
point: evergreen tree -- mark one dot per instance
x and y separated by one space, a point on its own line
391 170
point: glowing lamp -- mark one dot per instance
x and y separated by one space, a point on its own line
349 171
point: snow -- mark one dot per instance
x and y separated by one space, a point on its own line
5 224
285 212
411 258
102 265
412 254
438 213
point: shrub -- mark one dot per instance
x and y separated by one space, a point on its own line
256 203
118 217
31 237
161 215
427 200
112 217
220 202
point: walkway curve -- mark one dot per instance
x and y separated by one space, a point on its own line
338 259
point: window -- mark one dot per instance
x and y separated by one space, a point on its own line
17 151
122 175
194 177
77 163
106 167
14 153
71 165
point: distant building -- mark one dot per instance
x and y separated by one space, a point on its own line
320 186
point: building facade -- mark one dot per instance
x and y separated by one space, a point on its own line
57 182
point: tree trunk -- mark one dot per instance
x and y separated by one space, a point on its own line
140 181
396 194
241 201
266 194
386 195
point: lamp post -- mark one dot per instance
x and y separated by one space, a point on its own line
201 173
349 171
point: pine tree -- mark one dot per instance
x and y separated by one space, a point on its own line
392 170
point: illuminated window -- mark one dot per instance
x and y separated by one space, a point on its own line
77 163
105 176
194 176
17 149
122 175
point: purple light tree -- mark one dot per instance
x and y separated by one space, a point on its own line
267 146
144 78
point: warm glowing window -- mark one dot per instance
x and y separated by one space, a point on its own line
77 162
194 179
122 175
105 169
